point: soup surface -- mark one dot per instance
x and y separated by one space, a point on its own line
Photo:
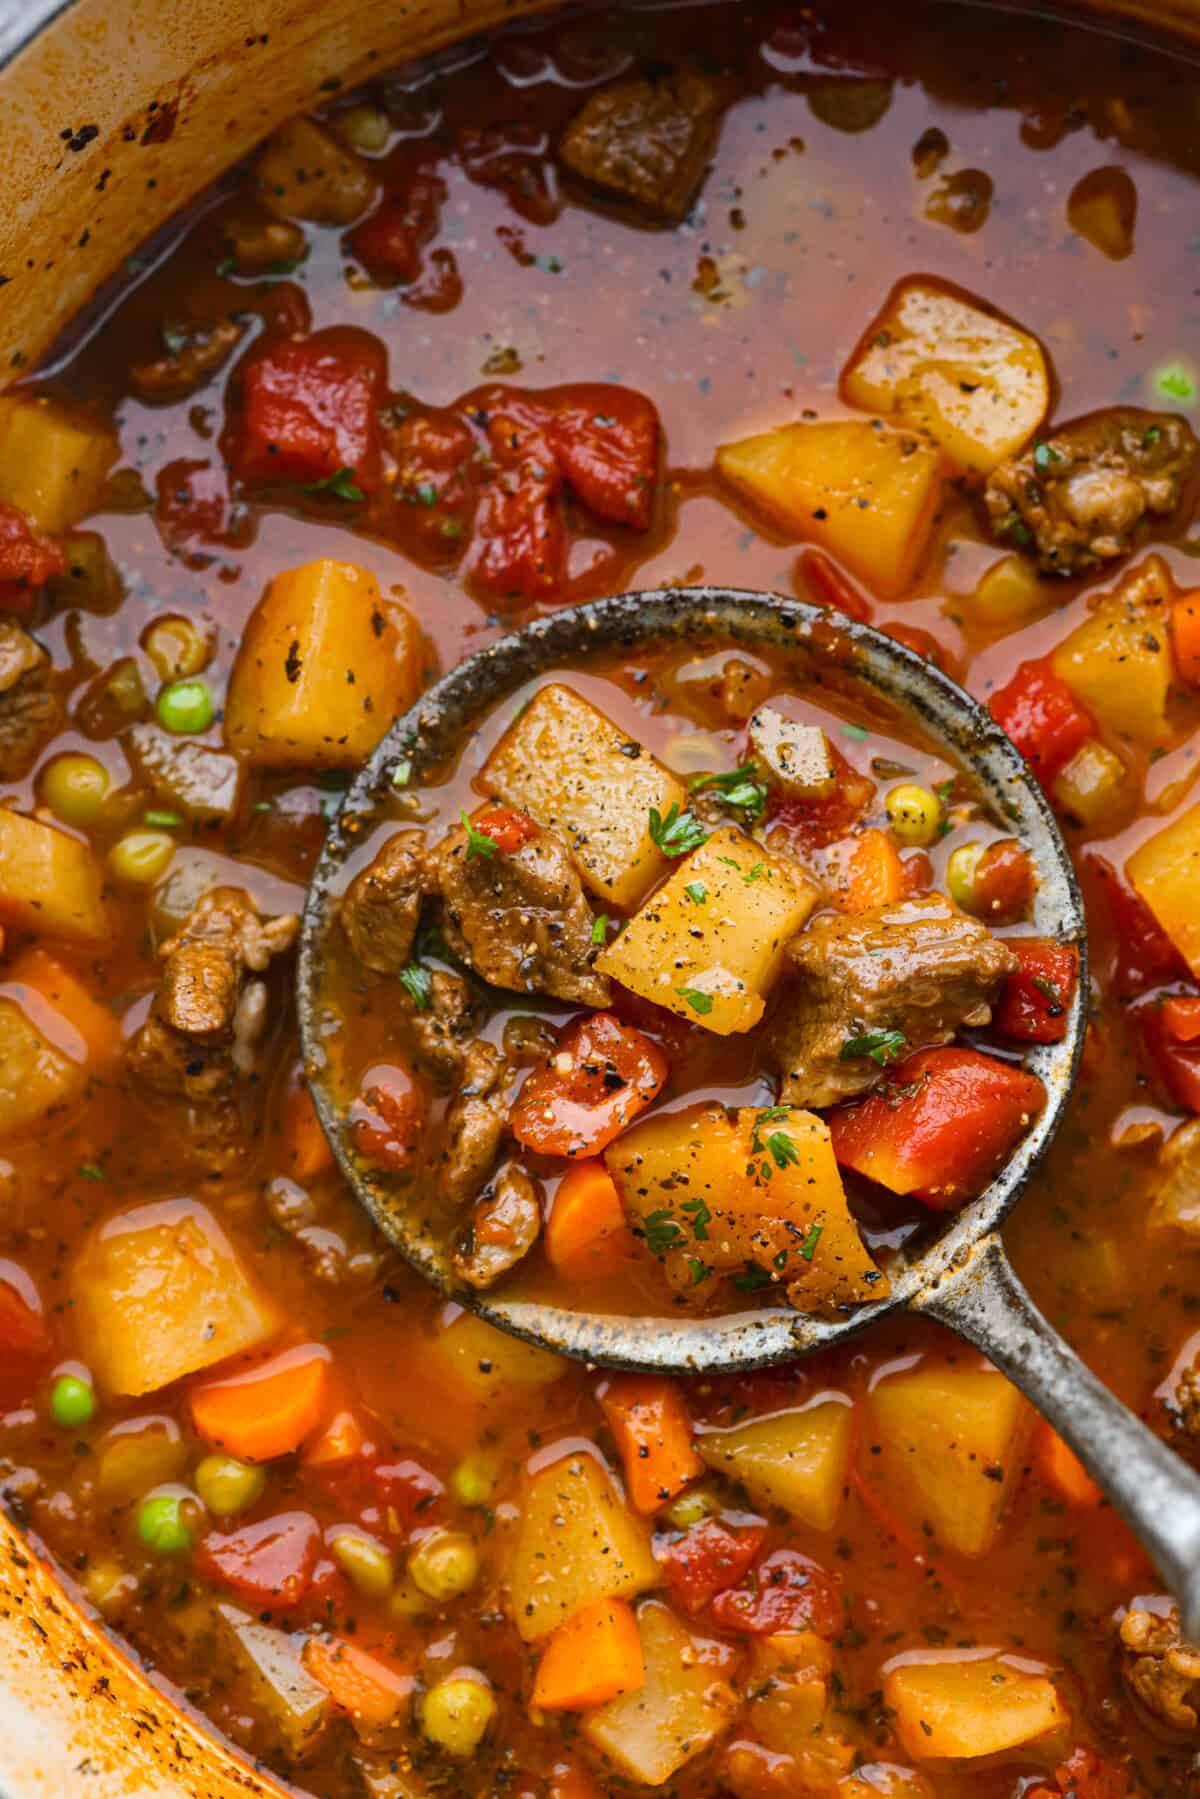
893 313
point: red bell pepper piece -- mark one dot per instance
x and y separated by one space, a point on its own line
388 1117
1035 1000
709 1558
784 1591
310 409
1084 1776
28 559
270 1563
599 1076
389 242
1146 957
507 829
606 440
23 1329
1042 716
940 1125
1170 1028
824 582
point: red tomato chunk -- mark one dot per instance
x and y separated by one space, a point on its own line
1042 716
309 410
1035 1001
709 1558
1170 1026
270 1563
785 1591
28 559
600 1076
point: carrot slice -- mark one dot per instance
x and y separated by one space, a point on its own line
305 1145
653 1432
342 1439
587 1233
1064 1471
268 1410
366 1687
1185 635
872 872
590 1659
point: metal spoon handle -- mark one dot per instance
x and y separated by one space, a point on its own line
1156 1492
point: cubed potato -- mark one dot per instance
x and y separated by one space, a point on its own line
1010 593
485 1364
50 882
965 1708
161 1292
867 494
798 759
695 1185
324 668
137 1454
304 173
1165 871
575 772
296 1705
709 943
951 367
1118 662
1092 784
578 1541
56 1043
37 1081
795 1460
687 1701
54 461
945 1446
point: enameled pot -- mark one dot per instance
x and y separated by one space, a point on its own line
113 113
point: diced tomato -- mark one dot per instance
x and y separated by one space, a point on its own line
23 1329
817 822
270 1563
390 241
192 504
1170 1027
1004 882
517 159
409 1493
434 490
1146 957
309 410
606 439
388 1117
1042 716
1035 1000
28 559
1084 1776
709 1558
939 1126
507 829
520 542
822 580
785 1591
600 1075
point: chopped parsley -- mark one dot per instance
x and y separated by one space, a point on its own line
1176 382
783 1150
698 1270
341 485
418 982
162 820
1044 455
679 833
808 1247
91 1171
175 340
858 732
425 493
600 928
701 1003
478 842
402 774
701 1218
883 1047
741 789
751 1278
1151 436
662 1232
1018 530
697 892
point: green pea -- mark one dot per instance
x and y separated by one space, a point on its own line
72 1402
161 1524
75 787
474 1480
185 707
364 1562
228 1486
457 1712
444 1564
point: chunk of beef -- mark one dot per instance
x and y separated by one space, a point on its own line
29 707
1160 1667
441 1031
921 968
504 1226
473 1126
200 1036
520 918
192 356
204 783
382 905
1080 494
648 140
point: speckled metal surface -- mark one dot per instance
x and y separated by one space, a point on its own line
825 649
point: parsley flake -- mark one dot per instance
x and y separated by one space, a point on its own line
341 485
701 1218
1044 455
783 1150
697 892
751 1278
741 789
883 1047
701 1003
419 984
808 1247
679 833
600 928
478 842
662 1232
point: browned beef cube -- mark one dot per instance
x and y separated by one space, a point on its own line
648 140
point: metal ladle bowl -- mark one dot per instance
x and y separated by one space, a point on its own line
961 1276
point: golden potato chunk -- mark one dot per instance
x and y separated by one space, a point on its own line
868 494
574 772
709 943
304 173
946 364
50 882
324 668
1118 662
796 758
686 1700
969 1708
1165 871
54 462
578 1542
796 1460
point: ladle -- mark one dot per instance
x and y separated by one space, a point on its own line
961 1277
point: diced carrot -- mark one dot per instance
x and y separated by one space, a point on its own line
367 1688
590 1659
23 1329
1064 1471
56 999
341 1439
1181 1017
872 872
587 1233
305 1145
267 1410
1185 635
653 1433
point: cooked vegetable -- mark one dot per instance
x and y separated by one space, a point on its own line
871 870
370 1690
796 1460
139 858
296 1704
1092 785
1185 636
948 365
797 758
137 1454
590 1659
685 1702
49 883
969 1708
915 814
364 1561
1034 1001
228 1486
576 1543
444 1564
457 1713
1040 713
323 669
758 1199
54 462
586 1234
162 1524
161 1292
1011 593
1118 663
945 1446
1170 1029
475 1480
1165 873
72 1402
185 707
866 494
649 1421
303 172
268 1410
1064 1471
578 774
714 960
54 1040
487 1365
939 1126
269 1563
75 787
599 1076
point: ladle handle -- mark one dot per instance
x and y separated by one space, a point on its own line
1156 1492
